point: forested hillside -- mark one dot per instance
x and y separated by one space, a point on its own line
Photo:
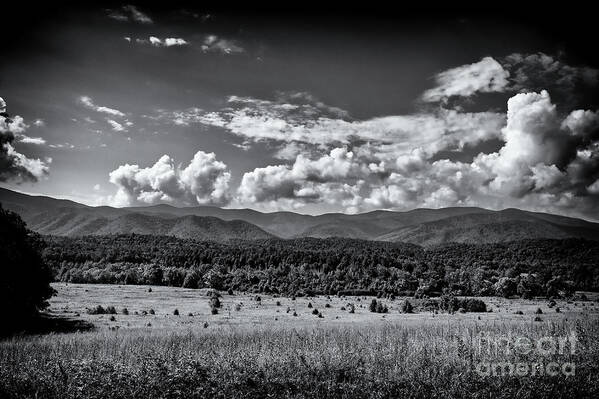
333 265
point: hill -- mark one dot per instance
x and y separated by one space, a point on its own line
426 227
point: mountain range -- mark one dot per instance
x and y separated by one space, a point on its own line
426 227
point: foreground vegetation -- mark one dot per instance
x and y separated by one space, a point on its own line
430 360
332 266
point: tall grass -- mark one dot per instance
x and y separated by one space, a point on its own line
431 360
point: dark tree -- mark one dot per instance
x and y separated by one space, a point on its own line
24 278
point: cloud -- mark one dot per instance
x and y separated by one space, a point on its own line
204 181
130 13
331 178
158 42
485 76
213 43
31 140
548 162
535 72
310 122
15 166
88 102
117 127
514 73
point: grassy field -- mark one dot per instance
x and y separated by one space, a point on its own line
258 349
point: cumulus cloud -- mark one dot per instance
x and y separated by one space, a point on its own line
88 102
130 13
15 166
549 161
485 76
213 43
204 181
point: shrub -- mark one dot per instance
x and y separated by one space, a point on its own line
278 303
518 312
205 324
125 311
238 307
110 310
258 299
190 314
406 307
97 310
557 310
230 291
327 305
551 303
538 319
381 308
214 310
152 311
352 308
315 311
538 311
309 305
176 312
112 318
295 314
373 305
215 302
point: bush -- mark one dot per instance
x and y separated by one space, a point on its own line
406 307
278 303
112 318
538 311
230 291
538 319
373 305
315 311
25 284
97 310
557 310
238 307
176 312
309 305
110 310
352 308
125 311
152 311
327 305
214 310
215 302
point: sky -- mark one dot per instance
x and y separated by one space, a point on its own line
130 104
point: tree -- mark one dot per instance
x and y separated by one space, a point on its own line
24 277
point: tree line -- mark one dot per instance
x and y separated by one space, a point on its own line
329 266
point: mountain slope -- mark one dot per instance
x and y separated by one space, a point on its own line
48 215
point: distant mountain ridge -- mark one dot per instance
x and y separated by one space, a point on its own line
426 227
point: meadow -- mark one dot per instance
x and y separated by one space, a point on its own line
257 348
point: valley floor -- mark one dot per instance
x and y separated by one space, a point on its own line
257 349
